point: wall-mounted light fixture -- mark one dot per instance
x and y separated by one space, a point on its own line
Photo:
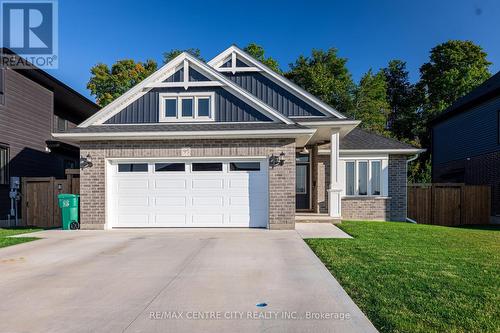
85 162
275 160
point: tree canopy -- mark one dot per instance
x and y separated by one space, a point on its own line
167 56
258 53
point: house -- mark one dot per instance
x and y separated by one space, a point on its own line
230 143
34 104
466 141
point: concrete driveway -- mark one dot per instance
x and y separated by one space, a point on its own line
173 280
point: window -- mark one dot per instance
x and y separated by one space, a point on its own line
61 124
350 178
4 165
376 175
207 166
301 179
244 166
364 177
186 107
161 167
133 167
2 86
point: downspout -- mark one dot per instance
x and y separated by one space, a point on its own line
408 162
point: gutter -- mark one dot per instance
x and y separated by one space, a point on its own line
408 162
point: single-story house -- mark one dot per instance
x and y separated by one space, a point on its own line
466 141
230 143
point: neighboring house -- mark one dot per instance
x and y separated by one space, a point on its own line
33 104
466 141
230 143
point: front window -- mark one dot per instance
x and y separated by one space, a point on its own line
363 178
4 165
186 107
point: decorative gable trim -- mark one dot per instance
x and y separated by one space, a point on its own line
236 53
157 80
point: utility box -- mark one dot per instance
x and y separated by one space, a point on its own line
69 210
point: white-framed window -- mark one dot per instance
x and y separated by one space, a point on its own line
186 107
365 177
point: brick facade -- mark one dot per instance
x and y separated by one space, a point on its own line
478 170
392 208
281 178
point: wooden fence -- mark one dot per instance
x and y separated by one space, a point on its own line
40 206
449 204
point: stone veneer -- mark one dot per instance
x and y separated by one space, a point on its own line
366 208
281 178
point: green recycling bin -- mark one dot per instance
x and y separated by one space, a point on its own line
69 209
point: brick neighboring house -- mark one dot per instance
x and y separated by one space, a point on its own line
230 143
466 141
33 104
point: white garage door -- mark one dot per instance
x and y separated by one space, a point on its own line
188 193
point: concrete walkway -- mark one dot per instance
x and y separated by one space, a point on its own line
319 230
171 280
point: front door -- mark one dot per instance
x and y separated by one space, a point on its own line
302 186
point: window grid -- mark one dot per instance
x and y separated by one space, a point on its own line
188 107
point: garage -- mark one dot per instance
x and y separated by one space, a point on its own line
187 193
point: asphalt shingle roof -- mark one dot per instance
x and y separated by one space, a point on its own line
365 140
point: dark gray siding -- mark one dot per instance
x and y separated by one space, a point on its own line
228 108
467 134
273 94
194 75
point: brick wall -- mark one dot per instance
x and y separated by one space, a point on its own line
393 209
281 178
478 170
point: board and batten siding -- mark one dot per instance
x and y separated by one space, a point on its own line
146 109
467 134
273 95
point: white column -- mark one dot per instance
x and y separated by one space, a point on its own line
334 198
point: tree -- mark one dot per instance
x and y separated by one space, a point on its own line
403 120
258 53
167 56
371 106
454 69
107 84
326 76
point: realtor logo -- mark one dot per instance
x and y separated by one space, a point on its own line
29 28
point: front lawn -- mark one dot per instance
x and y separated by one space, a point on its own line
5 240
418 278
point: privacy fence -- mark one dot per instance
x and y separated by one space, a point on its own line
449 204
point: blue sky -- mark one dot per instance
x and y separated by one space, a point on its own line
368 33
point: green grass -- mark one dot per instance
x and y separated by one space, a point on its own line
418 278
5 233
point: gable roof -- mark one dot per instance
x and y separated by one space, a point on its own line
220 59
486 90
169 69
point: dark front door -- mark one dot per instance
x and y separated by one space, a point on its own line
302 187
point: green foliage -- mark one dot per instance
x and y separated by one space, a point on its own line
370 105
167 56
107 84
404 118
6 240
257 52
418 278
325 75
420 170
454 69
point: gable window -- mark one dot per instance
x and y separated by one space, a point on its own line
4 165
364 178
186 107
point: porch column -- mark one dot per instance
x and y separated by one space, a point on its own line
334 201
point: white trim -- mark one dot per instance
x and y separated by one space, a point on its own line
374 151
163 73
227 134
328 123
239 69
279 79
178 98
384 176
190 84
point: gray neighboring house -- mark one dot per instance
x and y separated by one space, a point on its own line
33 105
466 141
230 143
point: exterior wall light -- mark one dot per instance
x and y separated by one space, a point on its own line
277 160
85 162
